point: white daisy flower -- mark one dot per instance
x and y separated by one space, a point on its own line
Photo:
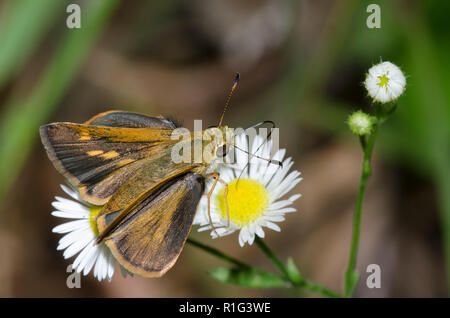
254 198
385 82
80 234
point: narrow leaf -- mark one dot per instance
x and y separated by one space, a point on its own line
248 277
293 272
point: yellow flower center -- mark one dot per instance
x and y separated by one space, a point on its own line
384 80
92 216
247 201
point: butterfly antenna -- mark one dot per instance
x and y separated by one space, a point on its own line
235 83
271 161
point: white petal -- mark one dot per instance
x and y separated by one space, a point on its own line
395 90
294 197
221 231
280 211
70 192
272 226
275 206
244 236
91 260
241 239
226 174
68 215
74 236
273 170
287 185
382 95
251 238
98 267
77 246
84 256
241 156
279 176
67 205
111 263
70 226
274 218
260 232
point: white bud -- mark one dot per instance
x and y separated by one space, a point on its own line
385 82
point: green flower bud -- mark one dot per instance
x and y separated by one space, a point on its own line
360 123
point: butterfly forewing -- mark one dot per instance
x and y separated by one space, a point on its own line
91 157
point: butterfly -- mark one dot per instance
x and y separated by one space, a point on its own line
123 161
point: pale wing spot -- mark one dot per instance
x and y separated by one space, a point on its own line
125 162
85 136
110 155
93 153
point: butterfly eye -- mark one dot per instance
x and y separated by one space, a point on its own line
222 151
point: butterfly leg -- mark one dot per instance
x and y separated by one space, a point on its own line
216 177
225 195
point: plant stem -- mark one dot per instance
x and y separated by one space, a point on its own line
350 275
305 284
316 288
217 253
272 256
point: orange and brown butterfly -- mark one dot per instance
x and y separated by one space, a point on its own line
123 162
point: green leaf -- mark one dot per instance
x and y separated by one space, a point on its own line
248 277
353 279
293 272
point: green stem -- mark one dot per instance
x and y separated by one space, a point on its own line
303 283
351 276
272 256
317 288
217 253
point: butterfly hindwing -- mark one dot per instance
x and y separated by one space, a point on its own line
92 156
149 240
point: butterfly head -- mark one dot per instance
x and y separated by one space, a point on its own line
219 140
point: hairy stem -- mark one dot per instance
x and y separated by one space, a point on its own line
279 264
351 276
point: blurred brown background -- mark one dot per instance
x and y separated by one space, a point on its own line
302 65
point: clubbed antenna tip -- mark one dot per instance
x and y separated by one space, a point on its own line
235 83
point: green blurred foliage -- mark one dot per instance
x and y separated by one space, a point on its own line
22 118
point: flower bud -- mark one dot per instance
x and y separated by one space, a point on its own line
385 82
360 123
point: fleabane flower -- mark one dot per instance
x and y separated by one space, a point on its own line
385 82
255 198
80 234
